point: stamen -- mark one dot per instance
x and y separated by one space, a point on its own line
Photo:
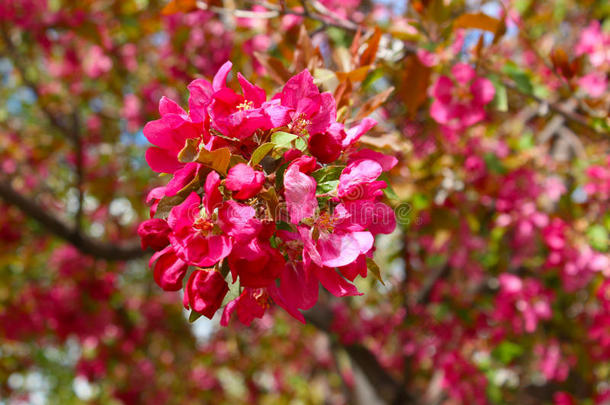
245 105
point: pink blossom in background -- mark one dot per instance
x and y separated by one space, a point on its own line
459 100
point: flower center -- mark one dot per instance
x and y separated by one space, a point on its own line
245 105
299 125
261 297
462 93
203 225
326 223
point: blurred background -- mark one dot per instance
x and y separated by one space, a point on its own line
496 281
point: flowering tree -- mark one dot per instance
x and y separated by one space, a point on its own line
389 203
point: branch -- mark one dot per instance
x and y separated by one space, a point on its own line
388 389
557 108
84 244
426 289
276 11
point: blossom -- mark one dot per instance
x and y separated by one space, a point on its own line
238 116
300 190
204 292
193 235
328 234
245 181
252 303
310 111
168 135
459 101
595 44
594 83
168 269
522 302
154 233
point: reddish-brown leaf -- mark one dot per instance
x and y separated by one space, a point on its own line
179 6
415 84
372 104
368 56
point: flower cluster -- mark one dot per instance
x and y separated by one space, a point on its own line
288 200
459 102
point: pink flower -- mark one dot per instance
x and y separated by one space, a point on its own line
154 233
300 191
599 331
359 180
96 62
326 146
202 92
316 243
594 83
168 269
522 302
256 263
595 44
387 162
193 228
239 116
205 291
332 242
244 181
459 102
169 135
310 111
251 304
554 365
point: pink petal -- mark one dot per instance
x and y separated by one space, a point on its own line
353 134
338 250
168 270
220 79
251 92
297 288
387 162
168 106
482 90
300 192
162 161
212 198
334 283
442 89
463 72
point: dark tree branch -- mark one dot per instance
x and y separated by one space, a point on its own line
424 294
386 386
83 243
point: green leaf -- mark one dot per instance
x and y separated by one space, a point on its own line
327 178
374 268
300 144
279 176
193 316
500 101
520 78
494 164
507 351
526 141
234 291
327 173
372 77
388 191
283 139
598 237
260 153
